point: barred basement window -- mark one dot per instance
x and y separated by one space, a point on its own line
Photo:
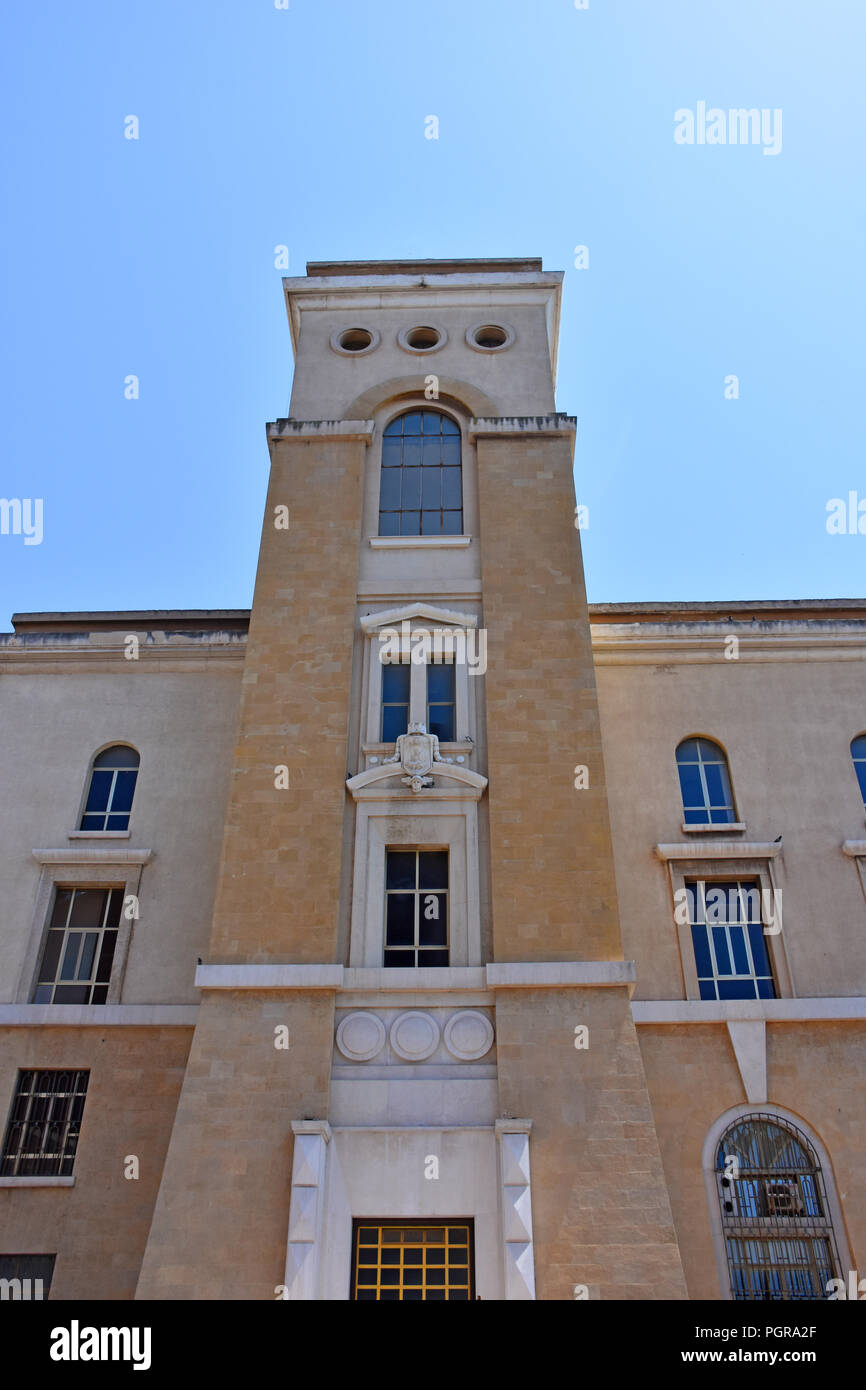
728 937
421 487
416 907
775 1216
79 948
44 1124
26 1277
705 783
394 1262
112 787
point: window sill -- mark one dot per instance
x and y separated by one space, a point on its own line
719 849
418 542
99 835
734 827
38 1182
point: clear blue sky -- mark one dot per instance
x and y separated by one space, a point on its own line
261 126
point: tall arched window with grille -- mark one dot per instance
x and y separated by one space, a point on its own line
113 775
421 489
776 1220
858 755
705 783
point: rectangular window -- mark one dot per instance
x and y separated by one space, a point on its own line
26 1277
416 907
395 700
79 948
440 701
728 939
400 1263
44 1123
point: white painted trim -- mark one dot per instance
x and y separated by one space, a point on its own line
855 849
98 855
389 617
98 1015
719 849
39 1182
829 1010
749 1041
419 542
441 980
708 1160
734 827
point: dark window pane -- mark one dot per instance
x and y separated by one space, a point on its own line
452 523
452 491
737 989
115 903
92 822
400 869
441 722
389 496
410 523
696 817
432 958
720 817
720 945
431 453
100 787
433 868
410 496
411 453
392 451
710 752
717 784
124 789
440 683
411 423
449 426
738 947
120 822
400 919
690 785
118 756
400 958
389 524
431 422
431 523
100 994
758 943
88 909
71 994
766 989
702 951
708 989
433 930
70 956
395 683
688 751
431 487
395 721
86 958
61 907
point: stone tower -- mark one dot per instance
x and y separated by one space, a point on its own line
415 1072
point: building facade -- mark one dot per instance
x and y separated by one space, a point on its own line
426 932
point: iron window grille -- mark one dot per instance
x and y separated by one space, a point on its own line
778 1234
44 1124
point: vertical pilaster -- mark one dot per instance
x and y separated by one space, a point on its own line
516 1196
306 1209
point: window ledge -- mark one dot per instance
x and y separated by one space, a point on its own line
418 542
734 827
720 849
99 835
38 1182
86 854
855 849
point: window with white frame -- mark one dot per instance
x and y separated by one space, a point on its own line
79 948
728 937
416 907
113 776
705 783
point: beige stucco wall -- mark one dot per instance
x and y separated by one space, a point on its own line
786 722
58 709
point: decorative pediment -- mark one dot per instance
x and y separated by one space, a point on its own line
410 612
418 759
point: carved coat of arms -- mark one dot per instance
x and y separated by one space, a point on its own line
416 753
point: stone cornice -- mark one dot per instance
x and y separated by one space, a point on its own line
718 849
643 644
830 1009
97 853
556 426
320 429
98 1015
341 979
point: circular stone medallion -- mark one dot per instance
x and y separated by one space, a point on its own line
360 1036
414 1036
468 1035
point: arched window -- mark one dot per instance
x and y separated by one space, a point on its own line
858 753
776 1220
112 787
705 783
421 490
